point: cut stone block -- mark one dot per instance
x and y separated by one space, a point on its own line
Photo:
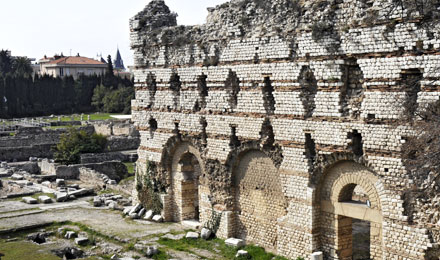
235 242
17 177
241 253
70 234
29 200
206 233
135 209
158 218
61 197
149 215
133 216
45 199
127 210
97 202
60 182
81 241
192 235
317 256
151 251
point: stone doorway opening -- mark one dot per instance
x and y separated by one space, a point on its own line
357 230
361 239
187 187
350 205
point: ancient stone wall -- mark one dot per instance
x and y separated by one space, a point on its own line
290 106
31 142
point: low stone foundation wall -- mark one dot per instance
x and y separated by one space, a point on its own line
114 169
106 157
32 142
122 143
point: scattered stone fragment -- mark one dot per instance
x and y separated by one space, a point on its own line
113 205
151 251
17 177
205 233
29 200
127 210
61 230
133 216
317 256
61 196
81 241
158 218
70 234
174 237
38 238
141 212
192 235
60 182
235 242
112 182
149 215
45 199
68 253
81 192
135 209
33 159
241 253
46 183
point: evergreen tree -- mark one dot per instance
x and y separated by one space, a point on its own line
5 62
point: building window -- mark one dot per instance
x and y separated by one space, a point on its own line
61 72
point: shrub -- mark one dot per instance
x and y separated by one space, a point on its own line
75 142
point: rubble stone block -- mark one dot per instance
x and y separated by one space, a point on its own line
235 242
192 235
29 200
45 199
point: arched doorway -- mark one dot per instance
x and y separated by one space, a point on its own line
351 215
259 200
185 183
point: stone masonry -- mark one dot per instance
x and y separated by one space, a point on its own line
274 114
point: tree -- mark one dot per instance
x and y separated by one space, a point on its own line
21 66
74 143
98 97
5 62
110 69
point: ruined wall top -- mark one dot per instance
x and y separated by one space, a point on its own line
335 26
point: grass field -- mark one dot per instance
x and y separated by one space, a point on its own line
93 117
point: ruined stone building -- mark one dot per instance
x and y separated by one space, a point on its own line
280 117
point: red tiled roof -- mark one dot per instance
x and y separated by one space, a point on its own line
75 60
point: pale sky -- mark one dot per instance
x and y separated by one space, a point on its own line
34 28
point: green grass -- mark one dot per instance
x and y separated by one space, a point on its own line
126 180
50 195
24 251
84 228
217 246
77 117
61 127
130 167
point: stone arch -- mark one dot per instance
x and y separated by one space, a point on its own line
183 169
339 213
258 198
